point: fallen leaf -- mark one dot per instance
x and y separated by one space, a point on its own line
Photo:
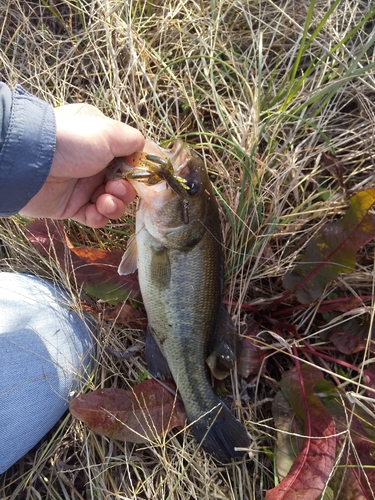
334 166
350 335
139 416
333 249
354 478
311 469
286 424
353 474
343 304
95 270
250 357
124 314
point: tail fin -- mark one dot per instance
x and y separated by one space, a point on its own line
219 433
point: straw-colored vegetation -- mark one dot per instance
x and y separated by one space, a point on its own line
263 90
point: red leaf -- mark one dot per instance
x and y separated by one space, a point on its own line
138 416
312 468
95 270
333 249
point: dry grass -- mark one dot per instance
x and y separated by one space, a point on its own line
262 89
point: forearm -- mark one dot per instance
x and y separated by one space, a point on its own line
27 146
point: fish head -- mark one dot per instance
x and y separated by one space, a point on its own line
177 211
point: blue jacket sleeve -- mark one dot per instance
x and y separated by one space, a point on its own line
27 147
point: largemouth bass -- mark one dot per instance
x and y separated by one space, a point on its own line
178 252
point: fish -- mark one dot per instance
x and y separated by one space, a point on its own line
179 255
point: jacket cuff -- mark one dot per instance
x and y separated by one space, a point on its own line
27 151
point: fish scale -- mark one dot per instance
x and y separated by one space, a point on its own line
180 315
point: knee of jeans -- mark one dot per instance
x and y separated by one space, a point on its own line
40 322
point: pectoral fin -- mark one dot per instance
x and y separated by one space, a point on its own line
129 261
156 363
160 267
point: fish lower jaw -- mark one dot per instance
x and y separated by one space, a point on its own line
156 194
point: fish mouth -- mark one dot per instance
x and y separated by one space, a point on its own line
174 166
178 168
177 156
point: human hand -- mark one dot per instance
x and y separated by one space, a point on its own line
76 188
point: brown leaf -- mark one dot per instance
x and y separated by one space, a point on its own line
94 269
250 357
146 413
125 314
335 167
343 304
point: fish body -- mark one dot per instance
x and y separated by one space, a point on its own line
180 269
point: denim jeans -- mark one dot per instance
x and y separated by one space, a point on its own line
45 351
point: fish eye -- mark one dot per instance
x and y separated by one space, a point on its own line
193 188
